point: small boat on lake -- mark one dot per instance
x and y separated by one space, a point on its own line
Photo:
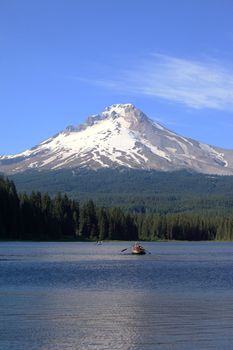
138 249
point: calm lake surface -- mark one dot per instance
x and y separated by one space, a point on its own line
60 296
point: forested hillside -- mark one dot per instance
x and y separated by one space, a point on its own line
136 190
122 180
39 216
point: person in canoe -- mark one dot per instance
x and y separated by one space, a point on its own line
137 249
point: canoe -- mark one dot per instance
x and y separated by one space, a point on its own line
138 249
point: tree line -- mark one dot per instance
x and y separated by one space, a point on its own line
39 216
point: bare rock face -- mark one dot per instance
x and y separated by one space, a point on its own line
121 136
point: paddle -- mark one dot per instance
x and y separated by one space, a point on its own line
123 250
147 251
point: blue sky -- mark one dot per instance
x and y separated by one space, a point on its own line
61 61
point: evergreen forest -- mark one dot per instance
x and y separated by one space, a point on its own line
40 216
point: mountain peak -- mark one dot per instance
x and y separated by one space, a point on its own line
121 136
127 111
120 109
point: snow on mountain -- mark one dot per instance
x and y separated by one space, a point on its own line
120 136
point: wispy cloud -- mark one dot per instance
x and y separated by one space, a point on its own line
195 84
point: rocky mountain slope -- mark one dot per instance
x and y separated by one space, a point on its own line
121 136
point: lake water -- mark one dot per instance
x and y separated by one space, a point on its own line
60 296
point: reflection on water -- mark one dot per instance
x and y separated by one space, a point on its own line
58 296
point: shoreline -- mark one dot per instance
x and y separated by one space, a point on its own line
112 241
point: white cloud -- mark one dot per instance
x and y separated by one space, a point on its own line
195 84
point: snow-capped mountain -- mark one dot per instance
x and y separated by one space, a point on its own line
121 136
